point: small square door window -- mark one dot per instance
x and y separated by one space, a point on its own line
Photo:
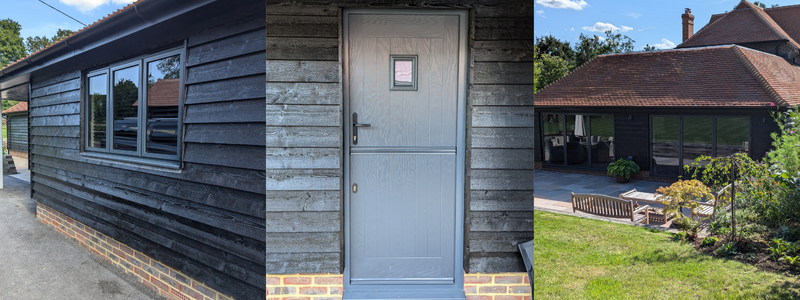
404 73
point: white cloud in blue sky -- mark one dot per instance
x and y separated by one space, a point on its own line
633 15
665 44
603 27
89 5
565 4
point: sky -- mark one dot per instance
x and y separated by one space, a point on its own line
38 19
653 22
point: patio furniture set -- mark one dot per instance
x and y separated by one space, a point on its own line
627 205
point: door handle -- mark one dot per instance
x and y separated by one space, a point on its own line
355 128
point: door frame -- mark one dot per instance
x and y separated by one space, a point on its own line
458 286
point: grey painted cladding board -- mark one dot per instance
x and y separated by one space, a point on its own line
17 131
304 112
207 219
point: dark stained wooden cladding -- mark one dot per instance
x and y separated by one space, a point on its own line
304 115
632 127
206 219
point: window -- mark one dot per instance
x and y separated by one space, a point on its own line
578 140
133 108
404 72
678 140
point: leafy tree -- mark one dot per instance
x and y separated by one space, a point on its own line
550 68
36 43
9 103
762 5
12 47
552 46
591 47
537 69
649 48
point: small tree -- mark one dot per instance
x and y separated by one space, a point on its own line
684 193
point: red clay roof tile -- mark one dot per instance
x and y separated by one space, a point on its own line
721 76
750 24
22 106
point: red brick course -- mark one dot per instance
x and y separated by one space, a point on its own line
151 273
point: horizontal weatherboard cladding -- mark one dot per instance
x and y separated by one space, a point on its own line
207 219
304 133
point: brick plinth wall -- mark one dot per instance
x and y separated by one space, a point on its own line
497 286
642 175
163 279
479 286
304 287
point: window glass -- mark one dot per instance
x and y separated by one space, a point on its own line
163 88
665 145
733 135
126 114
696 138
97 110
402 72
577 140
602 139
553 142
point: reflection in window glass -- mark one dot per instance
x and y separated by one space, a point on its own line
97 111
126 97
665 146
602 139
732 136
552 128
163 87
696 138
577 137
402 72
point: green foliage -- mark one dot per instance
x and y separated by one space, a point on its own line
649 48
683 193
12 47
551 68
727 249
36 43
623 167
680 236
762 5
553 58
709 241
589 47
8 104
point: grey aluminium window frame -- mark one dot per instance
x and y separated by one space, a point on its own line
140 155
680 136
564 115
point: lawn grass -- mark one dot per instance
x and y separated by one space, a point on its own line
577 258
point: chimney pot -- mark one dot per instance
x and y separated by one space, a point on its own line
688 24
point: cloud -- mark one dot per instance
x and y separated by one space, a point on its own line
640 30
540 13
665 44
603 27
567 4
572 29
633 15
89 5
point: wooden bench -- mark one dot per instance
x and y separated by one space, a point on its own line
607 206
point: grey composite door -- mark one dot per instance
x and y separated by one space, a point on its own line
403 82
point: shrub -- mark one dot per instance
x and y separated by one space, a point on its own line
623 167
727 249
683 193
709 241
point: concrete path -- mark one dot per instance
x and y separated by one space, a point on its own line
21 164
38 262
551 192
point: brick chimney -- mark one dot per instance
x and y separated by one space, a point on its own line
688 24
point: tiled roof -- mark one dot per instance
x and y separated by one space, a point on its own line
729 76
788 18
165 92
22 106
745 24
79 31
